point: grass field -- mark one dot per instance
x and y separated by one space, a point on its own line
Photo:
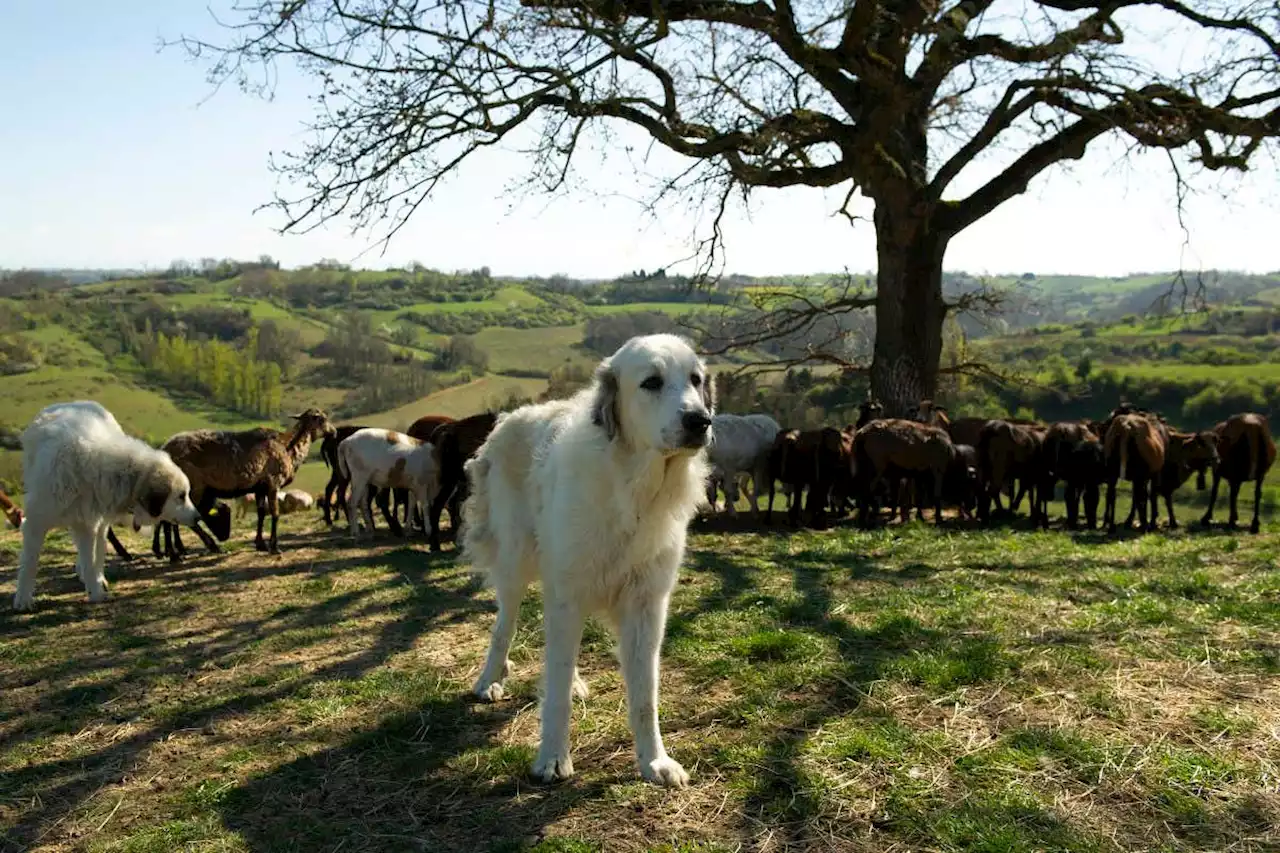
532 349
901 689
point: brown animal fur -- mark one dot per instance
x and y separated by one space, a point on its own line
1008 453
808 459
455 443
1135 450
262 461
1246 451
1186 453
894 447
1072 453
11 510
932 414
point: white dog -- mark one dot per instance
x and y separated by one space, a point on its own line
593 495
81 471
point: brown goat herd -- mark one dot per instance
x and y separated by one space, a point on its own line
967 463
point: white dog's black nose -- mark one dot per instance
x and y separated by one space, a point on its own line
695 423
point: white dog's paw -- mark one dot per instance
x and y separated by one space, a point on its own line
552 768
665 771
24 601
491 692
579 689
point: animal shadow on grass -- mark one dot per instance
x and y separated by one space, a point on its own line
426 779
136 650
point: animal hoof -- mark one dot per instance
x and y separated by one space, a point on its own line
489 692
553 768
261 546
665 771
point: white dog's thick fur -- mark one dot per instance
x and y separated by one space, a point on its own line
387 459
741 446
592 495
80 471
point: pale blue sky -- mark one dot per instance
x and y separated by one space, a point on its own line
108 158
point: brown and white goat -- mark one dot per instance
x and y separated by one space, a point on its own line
386 459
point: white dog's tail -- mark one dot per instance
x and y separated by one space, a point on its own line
343 467
478 542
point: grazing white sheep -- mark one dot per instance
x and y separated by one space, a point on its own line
80 471
741 446
387 459
592 496
289 501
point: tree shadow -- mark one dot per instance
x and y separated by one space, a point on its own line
125 663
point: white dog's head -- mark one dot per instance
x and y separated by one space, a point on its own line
162 493
655 393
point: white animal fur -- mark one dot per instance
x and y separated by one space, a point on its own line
742 445
80 471
289 501
384 458
592 496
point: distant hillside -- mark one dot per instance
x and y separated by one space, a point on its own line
244 343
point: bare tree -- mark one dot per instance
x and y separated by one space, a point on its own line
901 101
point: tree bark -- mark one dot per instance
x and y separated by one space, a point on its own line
909 307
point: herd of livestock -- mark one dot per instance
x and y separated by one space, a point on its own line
967 463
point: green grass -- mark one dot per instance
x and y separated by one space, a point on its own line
675 308
532 349
906 688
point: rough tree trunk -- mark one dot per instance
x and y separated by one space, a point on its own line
909 307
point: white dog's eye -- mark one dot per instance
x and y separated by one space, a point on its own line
653 383
695 380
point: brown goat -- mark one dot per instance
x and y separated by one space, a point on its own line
11 510
225 464
1008 454
455 443
966 430
1186 453
932 414
1246 451
1072 453
812 460
896 447
1135 448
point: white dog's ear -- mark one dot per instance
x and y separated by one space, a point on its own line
604 409
708 390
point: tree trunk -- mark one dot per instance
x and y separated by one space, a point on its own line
909 306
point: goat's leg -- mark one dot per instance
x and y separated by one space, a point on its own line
1071 498
210 543
155 539
1091 505
1233 520
1256 525
1207 518
329 489
273 503
447 486
383 498
259 542
121 551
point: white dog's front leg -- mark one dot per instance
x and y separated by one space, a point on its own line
496 665
86 539
563 627
33 535
641 621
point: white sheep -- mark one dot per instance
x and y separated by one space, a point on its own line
289 501
386 459
741 445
